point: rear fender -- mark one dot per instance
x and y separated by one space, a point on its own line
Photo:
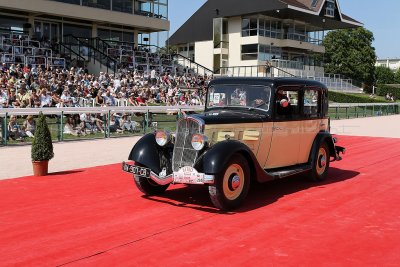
320 138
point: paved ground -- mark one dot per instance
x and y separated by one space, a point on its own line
98 217
16 162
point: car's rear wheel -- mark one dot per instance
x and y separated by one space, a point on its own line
148 187
231 185
320 166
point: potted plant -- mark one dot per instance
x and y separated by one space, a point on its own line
42 147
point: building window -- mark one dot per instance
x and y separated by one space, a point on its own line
267 52
268 28
75 2
150 8
103 4
260 52
330 8
125 6
77 30
249 27
250 52
314 3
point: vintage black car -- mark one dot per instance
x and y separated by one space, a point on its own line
252 130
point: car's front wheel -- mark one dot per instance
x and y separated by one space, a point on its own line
231 185
320 165
148 187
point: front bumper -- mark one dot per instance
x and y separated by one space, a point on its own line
187 175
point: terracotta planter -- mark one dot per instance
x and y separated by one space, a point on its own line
40 168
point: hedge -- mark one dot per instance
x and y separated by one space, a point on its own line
384 89
349 98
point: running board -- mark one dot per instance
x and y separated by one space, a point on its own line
282 173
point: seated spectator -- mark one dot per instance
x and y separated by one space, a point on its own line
29 126
3 98
66 100
14 130
45 99
88 121
127 124
114 124
100 101
69 128
99 122
132 100
34 101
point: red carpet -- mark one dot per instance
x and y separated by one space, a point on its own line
97 217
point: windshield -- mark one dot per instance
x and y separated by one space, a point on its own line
242 96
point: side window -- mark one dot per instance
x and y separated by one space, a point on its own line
287 103
312 103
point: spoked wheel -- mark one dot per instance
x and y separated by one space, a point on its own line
231 185
148 187
321 163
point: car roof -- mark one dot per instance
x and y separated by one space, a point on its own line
277 82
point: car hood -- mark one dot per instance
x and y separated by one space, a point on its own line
223 116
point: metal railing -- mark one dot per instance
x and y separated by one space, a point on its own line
145 119
149 118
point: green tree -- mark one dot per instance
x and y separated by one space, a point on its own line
384 75
42 145
350 52
397 77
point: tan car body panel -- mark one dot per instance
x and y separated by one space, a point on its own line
291 140
250 134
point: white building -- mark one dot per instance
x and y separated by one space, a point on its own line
233 36
391 63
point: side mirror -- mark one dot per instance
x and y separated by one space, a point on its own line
284 103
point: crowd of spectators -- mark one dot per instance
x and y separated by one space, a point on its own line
25 86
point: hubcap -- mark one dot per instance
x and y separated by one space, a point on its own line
321 162
233 181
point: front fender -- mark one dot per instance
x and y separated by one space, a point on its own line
217 157
146 152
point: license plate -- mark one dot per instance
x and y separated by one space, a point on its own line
188 175
136 170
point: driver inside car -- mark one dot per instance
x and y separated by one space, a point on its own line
283 104
261 101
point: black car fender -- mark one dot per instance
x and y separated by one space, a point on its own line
320 138
146 152
215 159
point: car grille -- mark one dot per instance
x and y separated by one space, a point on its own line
184 154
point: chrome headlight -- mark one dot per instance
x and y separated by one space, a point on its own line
199 141
163 138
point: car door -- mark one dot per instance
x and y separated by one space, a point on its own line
285 142
311 120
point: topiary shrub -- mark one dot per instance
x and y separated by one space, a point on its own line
42 145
